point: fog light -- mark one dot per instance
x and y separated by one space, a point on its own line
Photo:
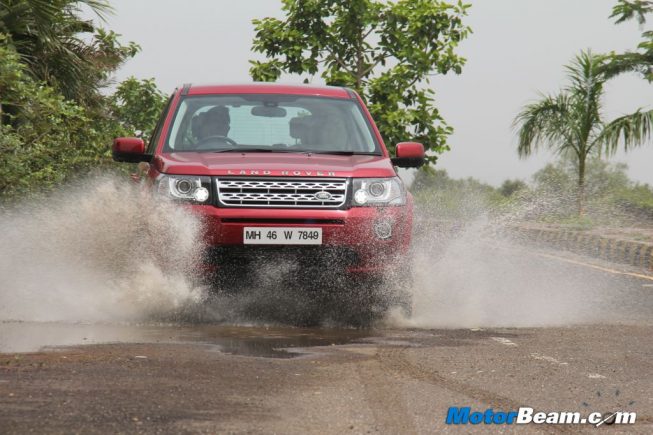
201 194
360 197
383 229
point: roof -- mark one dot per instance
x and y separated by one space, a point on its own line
269 88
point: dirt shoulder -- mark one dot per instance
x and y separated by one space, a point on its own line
400 382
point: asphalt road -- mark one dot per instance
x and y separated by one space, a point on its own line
220 378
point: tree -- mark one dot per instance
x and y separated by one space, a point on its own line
386 51
571 123
612 197
60 48
54 121
635 128
640 61
48 138
137 104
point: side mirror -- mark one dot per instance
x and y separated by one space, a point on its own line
130 150
409 155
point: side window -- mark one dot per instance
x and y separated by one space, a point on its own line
179 128
156 134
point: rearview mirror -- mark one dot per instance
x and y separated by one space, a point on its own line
409 155
130 150
269 111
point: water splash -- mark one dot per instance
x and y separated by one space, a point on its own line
477 274
106 251
102 250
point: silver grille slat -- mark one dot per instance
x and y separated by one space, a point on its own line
283 192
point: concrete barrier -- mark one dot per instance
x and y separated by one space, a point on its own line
613 249
638 254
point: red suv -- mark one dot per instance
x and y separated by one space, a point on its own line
279 170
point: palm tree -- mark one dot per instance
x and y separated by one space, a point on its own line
633 129
55 44
571 122
639 61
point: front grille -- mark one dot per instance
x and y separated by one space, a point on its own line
282 192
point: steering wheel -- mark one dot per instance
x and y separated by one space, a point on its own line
214 138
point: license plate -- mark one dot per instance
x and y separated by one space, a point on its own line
282 236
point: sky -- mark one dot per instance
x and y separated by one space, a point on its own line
517 49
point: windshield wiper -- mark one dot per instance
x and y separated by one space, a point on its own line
252 150
341 153
281 150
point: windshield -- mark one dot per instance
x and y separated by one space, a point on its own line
275 123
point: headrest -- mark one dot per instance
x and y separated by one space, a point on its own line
220 113
300 126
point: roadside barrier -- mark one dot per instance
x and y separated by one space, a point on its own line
638 254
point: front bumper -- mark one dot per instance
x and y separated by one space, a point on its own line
349 238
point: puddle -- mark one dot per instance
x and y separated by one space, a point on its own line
266 342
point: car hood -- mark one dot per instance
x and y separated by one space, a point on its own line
274 164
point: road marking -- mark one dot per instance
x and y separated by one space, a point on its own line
504 341
647 285
593 266
595 376
548 359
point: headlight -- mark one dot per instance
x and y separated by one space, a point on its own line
184 187
378 191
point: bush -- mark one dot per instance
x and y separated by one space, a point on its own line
46 139
436 193
612 198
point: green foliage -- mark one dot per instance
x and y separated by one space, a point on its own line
612 196
570 123
630 130
138 105
61 49
636 199
444 197
386 51
613 199
641 60
46 139
626 10
510 187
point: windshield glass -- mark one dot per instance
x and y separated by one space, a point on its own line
276 123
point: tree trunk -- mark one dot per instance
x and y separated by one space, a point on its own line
580 194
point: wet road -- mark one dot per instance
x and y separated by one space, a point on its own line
217 378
